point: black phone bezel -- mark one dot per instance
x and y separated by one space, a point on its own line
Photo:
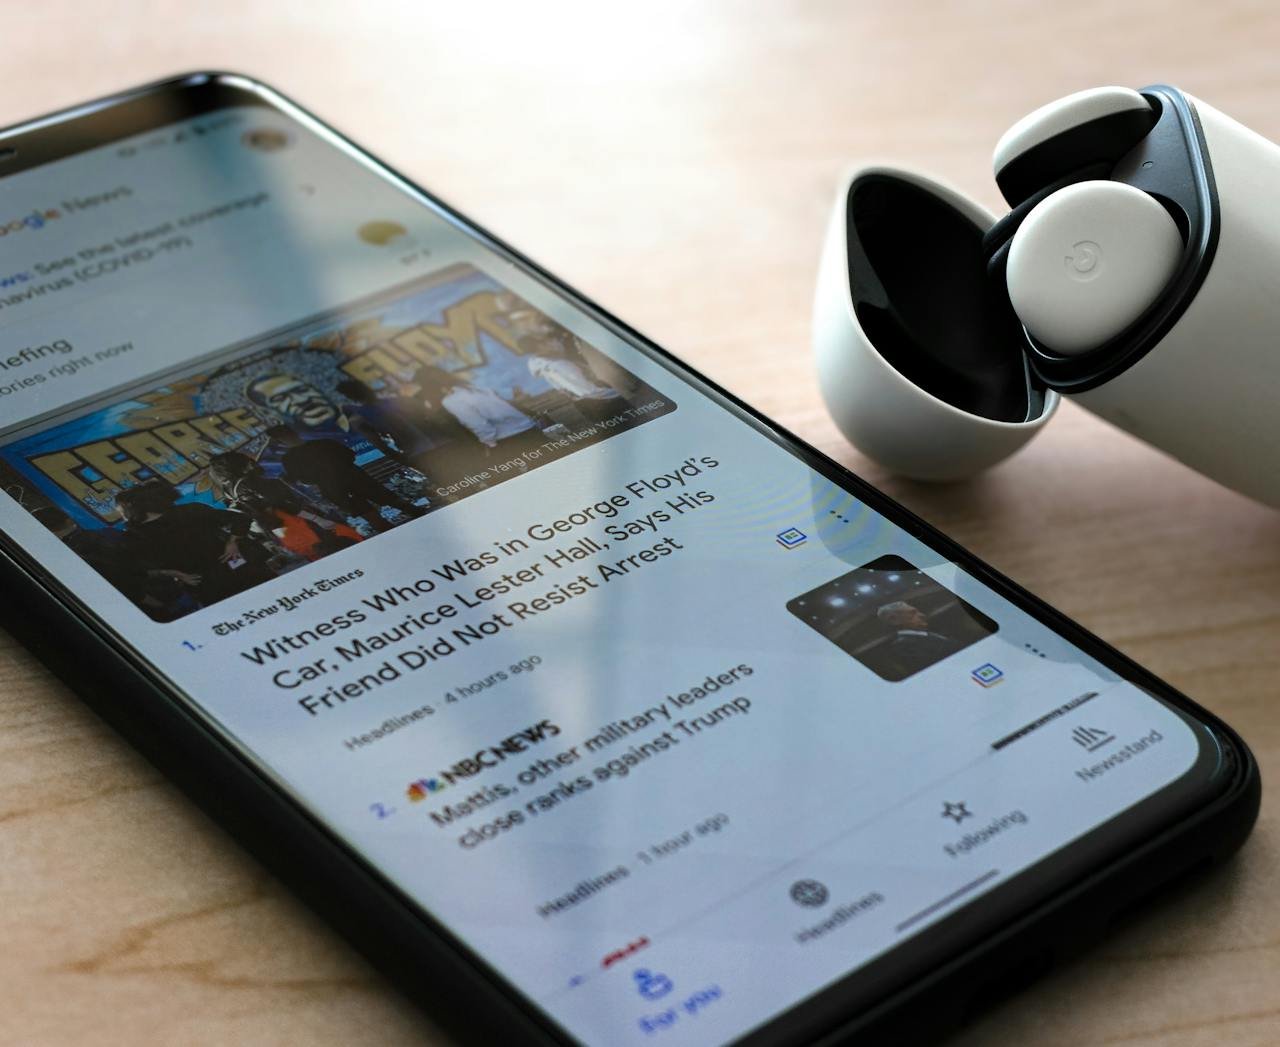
404 939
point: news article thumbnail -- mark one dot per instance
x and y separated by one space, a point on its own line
892 617
289 449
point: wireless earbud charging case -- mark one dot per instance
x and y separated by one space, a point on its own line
925 368
920 362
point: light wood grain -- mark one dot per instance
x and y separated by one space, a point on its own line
676 162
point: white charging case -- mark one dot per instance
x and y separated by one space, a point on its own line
923 373
1208 391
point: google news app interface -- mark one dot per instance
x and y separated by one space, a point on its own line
666 726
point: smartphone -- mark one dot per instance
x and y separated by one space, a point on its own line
589 703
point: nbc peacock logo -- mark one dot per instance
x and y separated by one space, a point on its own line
424 787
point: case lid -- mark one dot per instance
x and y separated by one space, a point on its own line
921 358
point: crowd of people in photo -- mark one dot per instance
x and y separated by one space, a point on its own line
310 485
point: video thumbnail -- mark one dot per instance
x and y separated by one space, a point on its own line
892 617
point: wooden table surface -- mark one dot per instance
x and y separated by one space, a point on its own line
675 162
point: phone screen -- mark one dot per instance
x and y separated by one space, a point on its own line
666 725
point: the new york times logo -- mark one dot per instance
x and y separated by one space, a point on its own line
495 754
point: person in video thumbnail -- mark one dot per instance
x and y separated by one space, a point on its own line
105 549
376 419
276 508
494 422
594 401
330 466
443 449
419 402
539 335
205 552
568 377
914 645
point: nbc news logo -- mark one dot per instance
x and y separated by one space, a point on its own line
422 788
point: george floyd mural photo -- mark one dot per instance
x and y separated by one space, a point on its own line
277 453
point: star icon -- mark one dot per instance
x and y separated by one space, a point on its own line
957 812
